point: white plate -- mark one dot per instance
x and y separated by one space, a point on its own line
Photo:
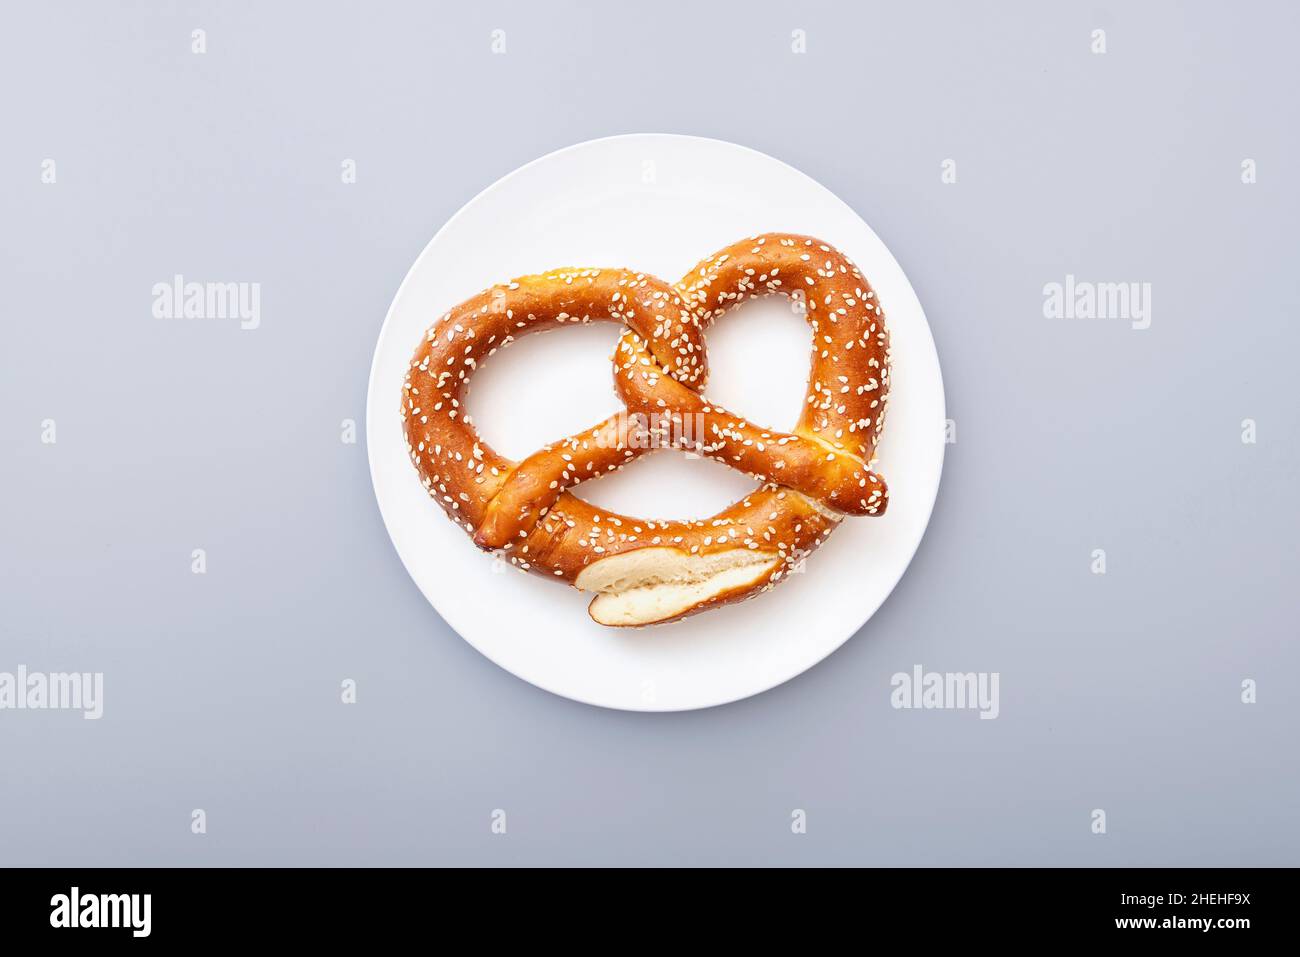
658 203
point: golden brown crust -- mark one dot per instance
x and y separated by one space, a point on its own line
810 475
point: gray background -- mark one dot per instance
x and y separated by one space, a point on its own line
1119 692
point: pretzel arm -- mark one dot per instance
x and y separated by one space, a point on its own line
834 477
534 485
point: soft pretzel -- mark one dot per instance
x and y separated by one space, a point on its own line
643 571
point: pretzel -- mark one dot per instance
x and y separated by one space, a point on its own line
650 571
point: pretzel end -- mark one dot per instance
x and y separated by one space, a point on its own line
650 586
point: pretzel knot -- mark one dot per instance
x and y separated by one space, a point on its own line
647 571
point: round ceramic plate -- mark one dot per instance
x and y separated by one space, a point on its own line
656 203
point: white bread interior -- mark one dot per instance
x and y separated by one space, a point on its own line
654 584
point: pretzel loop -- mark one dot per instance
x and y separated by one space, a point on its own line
672 334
